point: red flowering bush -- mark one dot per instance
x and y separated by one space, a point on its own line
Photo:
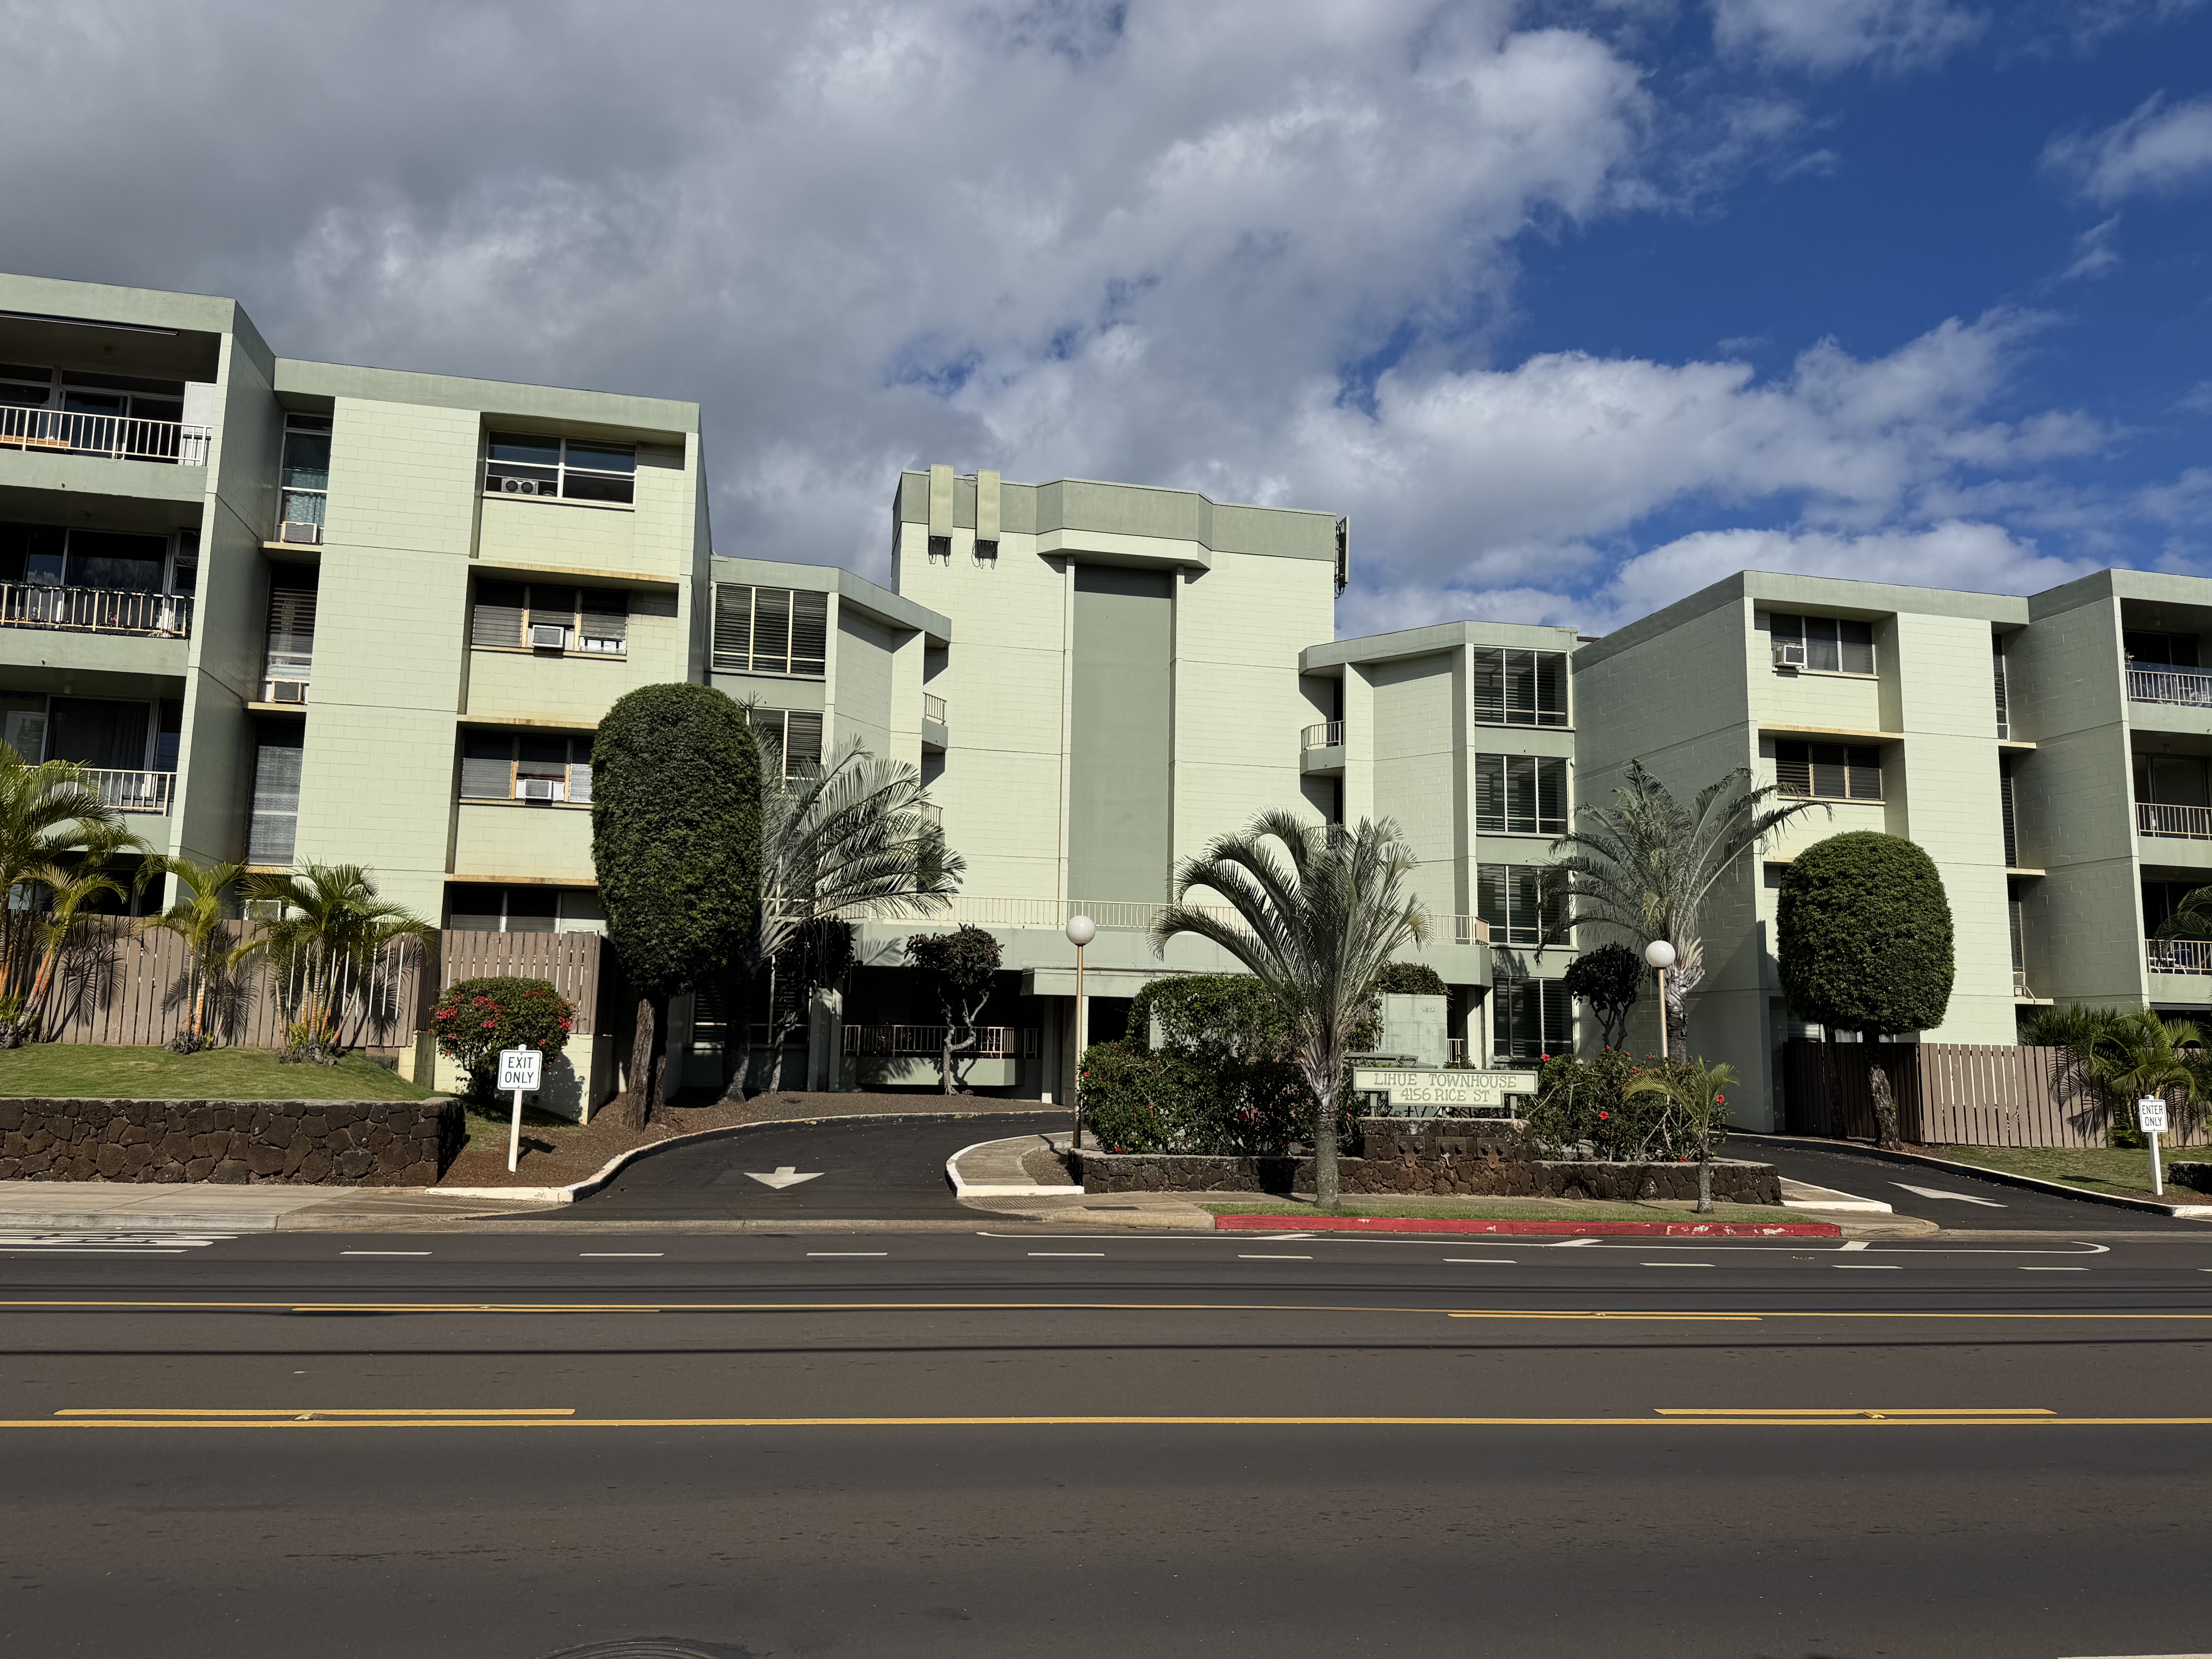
1583 1109
477 1018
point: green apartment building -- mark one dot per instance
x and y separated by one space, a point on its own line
290 610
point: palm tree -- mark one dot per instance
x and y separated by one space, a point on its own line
855 840
200 920
327 929
1643 868
48 812
1695 1093
83 879
1318 930
2140 1055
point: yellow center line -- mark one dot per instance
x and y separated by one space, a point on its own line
318 1410
1856 1410
402 1418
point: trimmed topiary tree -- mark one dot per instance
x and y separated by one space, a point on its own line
1866 943
676 832
476 1018
1609 979
965 961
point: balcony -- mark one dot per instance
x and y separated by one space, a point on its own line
2182 687
1329 734
1134 917
134 792
928 1042
95 611
935 732
2183 823
108 437
1320 751
2178 955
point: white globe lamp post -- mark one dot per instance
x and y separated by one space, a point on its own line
1660 955
1081 930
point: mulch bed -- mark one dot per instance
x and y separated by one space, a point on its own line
579 1154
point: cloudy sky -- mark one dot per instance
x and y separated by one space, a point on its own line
1572 307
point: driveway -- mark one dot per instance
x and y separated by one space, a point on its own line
857 1169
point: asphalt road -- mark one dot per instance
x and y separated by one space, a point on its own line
799 1445
857 1168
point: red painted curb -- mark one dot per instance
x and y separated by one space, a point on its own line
1395 1224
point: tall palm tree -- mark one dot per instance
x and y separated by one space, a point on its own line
46 813
855 840
1317 924
200 918
81 880
1644 867
326 929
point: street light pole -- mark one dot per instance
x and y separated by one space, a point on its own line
1081 930
1660 955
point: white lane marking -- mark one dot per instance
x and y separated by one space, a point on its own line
1572 1243
1512 1262
2054 1270
1674 1264
849 1253
384 1253
118 1241
618 1253
786 1176
90 1249
1274 1258
1083 1252
1856 1244
1869 1266
1955 1198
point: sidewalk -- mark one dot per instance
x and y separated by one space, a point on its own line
136 1207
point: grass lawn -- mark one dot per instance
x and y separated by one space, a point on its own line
2099 1168
82 1071
1512 1209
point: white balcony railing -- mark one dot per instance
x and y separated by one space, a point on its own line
1329 734
95 610
113 437
2183 686
932 707
931 812
992 1041
133 791
1128 916
2178 955
2189 823
1454 1051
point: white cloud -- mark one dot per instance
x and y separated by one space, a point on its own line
2161 146
1824 36
2094 252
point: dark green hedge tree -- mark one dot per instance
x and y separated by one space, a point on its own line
1609 979
1411 979
965 961
1865 944
676 829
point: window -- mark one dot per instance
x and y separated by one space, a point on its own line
472 908
1831 645
527 766
524 464
2004 700
2151 650
1530 1018
771 630
593 620
1510 898
49 556
271 832
2007 804
1520 687
2172 781
305 485
794 735
1829 771
289 660
1520 794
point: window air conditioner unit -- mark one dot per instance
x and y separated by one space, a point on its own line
548 636
294 530
1789 656
539 788
520 486
288 690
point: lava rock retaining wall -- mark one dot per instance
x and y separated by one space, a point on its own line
354 1143
1437 1157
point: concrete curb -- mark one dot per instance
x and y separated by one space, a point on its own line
1392 1224
965 1188
2000 1177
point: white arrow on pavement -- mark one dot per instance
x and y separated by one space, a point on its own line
784 1175
1956 1198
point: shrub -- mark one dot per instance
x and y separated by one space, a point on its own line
1411 979
1586 1103
1865 935
477 1018
1176 1100
1235 1014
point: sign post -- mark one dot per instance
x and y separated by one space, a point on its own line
2150 1118
521 1070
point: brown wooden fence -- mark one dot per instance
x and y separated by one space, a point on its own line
1954 1094
113 985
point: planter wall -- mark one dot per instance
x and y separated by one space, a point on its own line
354 1143
1443 1157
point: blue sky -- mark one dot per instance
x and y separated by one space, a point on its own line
1571 308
